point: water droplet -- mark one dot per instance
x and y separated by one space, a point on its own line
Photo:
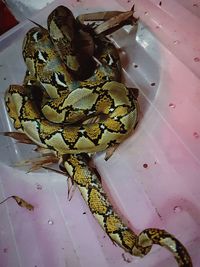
196 135
172 105
126 258
177 209
196 59
145 165
38 186
176 42
121 50
50 222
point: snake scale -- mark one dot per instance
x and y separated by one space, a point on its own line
56 103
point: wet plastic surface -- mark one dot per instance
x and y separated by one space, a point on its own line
153 178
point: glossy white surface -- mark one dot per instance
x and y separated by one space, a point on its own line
161 59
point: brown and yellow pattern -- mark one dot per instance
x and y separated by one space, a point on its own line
61 119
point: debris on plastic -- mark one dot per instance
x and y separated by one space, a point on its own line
20 201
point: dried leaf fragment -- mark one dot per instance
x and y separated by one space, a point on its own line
116 22
20 137
97 16
37 163
21 202
112 20
71 188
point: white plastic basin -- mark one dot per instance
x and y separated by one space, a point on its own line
153 178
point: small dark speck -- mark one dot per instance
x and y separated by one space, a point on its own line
135 66
195 5
160 3
196 135
128 1
146 13
196 59
153 84
4 78
145 165
104 236
5 250
84 212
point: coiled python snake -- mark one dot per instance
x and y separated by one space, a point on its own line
53 106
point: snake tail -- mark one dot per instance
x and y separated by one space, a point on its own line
95 197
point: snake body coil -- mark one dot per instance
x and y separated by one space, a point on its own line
54 110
